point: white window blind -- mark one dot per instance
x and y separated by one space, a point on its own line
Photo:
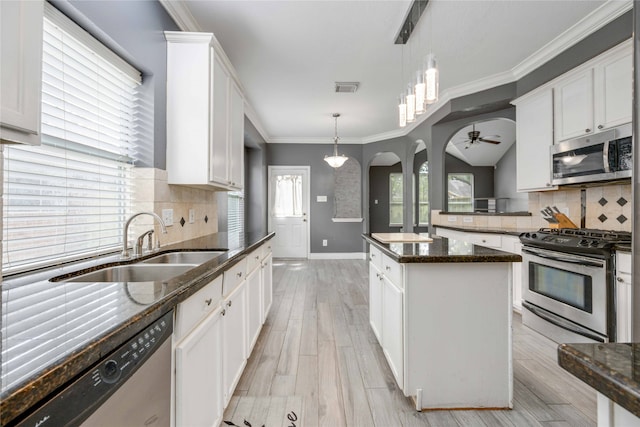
235 217
69 197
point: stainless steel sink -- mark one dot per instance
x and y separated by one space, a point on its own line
195 257
135 273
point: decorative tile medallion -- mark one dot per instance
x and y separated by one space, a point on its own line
622 201
182 221
621 219
602 201
602 218
206 219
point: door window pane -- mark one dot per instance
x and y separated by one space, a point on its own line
460 192
288 196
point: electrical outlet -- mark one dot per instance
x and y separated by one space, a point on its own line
452 218
192 216
324 242
467 219
167 217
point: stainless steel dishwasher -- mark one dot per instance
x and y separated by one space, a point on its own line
129 387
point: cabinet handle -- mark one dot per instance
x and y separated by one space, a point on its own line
484 241
208 301
229 303
548 184
257 256
619 279
387 268
600 126
239 274
223 312
587 130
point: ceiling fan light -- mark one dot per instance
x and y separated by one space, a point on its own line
411 105
431 79
402 112
420 89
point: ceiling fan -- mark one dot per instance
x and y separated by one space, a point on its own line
474 138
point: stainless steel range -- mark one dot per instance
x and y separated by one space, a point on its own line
568 285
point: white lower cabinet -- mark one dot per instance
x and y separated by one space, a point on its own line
392 331
375 300
213 337
624 301
198 374
266 282
254 306
234 335
610 414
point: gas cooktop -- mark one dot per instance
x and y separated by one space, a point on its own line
576 240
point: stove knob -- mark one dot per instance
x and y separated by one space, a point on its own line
583 242
594 243
527 235
534 235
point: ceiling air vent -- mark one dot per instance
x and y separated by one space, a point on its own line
346 87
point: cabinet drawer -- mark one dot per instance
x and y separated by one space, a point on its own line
375 256
191 311
393 271
265 250
233 276
487 240
253 260
623 263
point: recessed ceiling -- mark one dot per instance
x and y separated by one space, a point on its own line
289 54
481 153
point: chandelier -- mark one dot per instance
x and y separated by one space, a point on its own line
335 161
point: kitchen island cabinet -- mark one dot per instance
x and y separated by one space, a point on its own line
445 321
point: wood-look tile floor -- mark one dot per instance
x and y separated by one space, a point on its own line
317 363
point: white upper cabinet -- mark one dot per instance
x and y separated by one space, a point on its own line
205 115
534 136
20 71
595 97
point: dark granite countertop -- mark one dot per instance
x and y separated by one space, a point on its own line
622 248
441 250
54 331
613 369
510 232
522 213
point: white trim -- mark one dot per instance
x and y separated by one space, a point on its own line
346 219
589 24
181 15
338 255
315 140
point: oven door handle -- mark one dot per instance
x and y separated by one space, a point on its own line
562 323
565 259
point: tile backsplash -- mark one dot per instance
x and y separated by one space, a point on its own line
153 193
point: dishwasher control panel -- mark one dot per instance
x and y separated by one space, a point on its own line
81 397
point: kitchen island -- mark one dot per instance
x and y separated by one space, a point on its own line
54 331
442 313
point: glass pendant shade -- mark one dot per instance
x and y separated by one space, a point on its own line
411 105
420 92
402 112
336 160
431 79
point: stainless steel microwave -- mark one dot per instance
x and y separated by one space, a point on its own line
604 156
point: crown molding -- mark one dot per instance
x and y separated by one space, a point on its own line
589 24
188 37
316 140
181 15
255 120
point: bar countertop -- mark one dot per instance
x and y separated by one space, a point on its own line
441 250
54 331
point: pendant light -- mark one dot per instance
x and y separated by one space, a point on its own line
431 79
402 111
420 92
336 160
411 104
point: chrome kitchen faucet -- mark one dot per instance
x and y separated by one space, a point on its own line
125 243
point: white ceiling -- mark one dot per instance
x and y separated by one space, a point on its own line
288 54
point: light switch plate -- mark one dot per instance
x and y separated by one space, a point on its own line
324 242
167 217
321 198
192 216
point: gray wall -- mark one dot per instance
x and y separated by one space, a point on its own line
135 30
341 237
379 190
255 195
505 182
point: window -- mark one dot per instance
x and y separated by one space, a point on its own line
69 197
395 199
287 196
460 192
235 217
423 194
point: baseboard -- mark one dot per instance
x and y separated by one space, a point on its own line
338 255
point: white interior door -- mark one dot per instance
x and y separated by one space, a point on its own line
288 210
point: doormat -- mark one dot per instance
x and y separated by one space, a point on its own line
291 417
